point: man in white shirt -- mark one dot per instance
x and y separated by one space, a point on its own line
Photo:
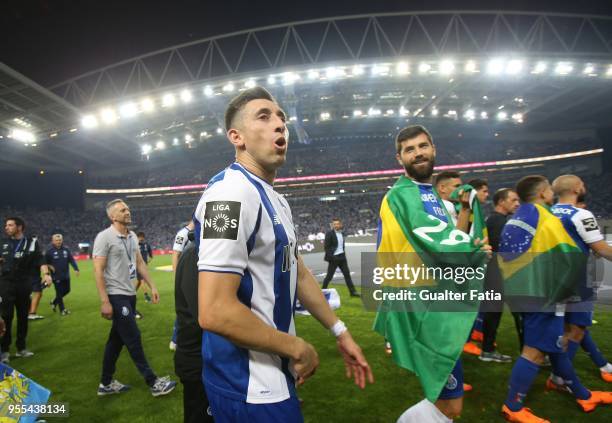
251 276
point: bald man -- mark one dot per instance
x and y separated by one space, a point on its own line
583 228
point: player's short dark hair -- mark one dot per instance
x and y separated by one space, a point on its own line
18 221
140 234
445 176
409 133
238 102
528 186
478 183
501 195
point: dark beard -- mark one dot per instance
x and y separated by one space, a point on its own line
420 175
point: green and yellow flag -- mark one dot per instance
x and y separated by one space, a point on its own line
416 231
538 259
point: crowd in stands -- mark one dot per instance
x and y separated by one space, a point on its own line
323 156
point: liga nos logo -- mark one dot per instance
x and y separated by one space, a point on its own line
221 220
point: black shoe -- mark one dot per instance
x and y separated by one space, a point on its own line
354 294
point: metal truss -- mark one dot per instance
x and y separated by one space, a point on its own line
359 38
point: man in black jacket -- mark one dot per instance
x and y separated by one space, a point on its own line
188 356
336 257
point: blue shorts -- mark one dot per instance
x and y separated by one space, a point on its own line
543 331
229 410
454 386
580 314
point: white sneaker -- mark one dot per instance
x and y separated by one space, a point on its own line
115 387
24 353
5 357
172 346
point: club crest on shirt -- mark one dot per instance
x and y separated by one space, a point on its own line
590 224
125 311
221 220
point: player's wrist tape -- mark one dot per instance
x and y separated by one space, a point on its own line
338 328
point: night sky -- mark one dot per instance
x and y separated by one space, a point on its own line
53 40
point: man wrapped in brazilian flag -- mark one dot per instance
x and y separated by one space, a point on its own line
415 230
541 265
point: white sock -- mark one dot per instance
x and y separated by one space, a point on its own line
607 368
557 379
423 412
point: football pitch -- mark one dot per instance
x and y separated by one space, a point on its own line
69 353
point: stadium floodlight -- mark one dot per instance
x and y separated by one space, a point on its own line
325 116
446 67
292 118
357 70
208 91
518 117
514 67
108 115
145 149
424 67
186 96
357 113
380 70
160 145
89 121
289 78
452 113
402 68
22 135
128 110
484 115
175 141
469 114
609 71
403 111
390 112
147 105
495 66
188 138
271 80
374 112
203 134
249 83
219 131
563 68
589 69
168 100
539 68
470 66
434 112
342 191
330 73
313 74
502 115
228 88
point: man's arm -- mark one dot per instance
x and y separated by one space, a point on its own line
150 251
602 249
73 262
175 259
106 309
312 298
220 311
143 270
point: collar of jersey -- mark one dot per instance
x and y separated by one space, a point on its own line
236 165
120 235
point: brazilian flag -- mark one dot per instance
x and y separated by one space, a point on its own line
425 340
539 261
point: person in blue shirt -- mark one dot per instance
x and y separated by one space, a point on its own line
60 257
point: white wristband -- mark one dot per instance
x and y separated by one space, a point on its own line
338 328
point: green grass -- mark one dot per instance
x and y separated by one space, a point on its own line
69 355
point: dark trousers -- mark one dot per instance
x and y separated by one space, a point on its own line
124 331
195 402
15 296
339 261
62 288
490 324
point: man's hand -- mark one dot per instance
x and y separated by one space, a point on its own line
354 361
154 295
47 280
106 309
484 246
76 272
306 362
2 327
464 200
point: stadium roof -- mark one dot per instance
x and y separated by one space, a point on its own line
489 68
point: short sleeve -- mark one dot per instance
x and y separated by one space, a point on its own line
101 246
180 240
587 227
227 216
